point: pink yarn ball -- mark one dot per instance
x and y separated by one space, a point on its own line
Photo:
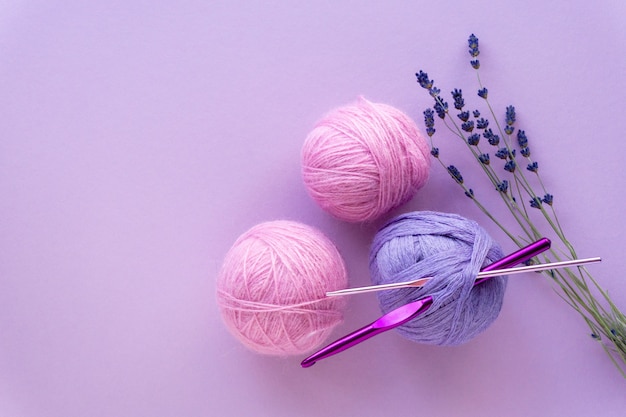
362 160
272 288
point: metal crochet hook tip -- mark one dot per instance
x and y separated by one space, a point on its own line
507 271
414 309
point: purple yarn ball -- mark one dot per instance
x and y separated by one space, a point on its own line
452 250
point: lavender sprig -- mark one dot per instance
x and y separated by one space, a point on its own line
516 187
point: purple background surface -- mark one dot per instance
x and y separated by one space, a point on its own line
138 139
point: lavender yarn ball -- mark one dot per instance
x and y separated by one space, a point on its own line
364 159
451 249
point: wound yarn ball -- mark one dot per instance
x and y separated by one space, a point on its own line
364 159
452 250
271 288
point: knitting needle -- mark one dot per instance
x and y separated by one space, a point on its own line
481 275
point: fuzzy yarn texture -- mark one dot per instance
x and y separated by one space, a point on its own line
271 288
364 159
451 249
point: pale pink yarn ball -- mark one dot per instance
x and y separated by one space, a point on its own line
272 288
362 160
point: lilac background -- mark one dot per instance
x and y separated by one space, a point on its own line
138 139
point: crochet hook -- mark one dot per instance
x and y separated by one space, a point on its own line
409 311
486 274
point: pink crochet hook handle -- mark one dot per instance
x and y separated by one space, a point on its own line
409 311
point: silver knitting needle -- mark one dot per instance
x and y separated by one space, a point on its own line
508 271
